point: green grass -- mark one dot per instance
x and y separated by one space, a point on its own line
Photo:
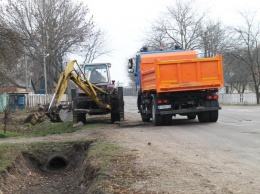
8 153
105 152
9 134
46 128
117 163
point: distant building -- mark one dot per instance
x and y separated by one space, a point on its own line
9 85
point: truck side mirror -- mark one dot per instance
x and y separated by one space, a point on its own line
130 64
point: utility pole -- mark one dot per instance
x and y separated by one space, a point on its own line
45 71
26 75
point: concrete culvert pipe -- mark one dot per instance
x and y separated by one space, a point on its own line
57 163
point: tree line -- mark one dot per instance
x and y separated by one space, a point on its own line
183 25
36 31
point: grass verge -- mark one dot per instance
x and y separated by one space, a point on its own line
118 164
46 128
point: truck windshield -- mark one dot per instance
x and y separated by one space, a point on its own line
97 73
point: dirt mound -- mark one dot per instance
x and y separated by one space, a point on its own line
66 172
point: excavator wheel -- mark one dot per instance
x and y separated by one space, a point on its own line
117 104
115 117
80 117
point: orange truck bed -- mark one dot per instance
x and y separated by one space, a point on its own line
180 71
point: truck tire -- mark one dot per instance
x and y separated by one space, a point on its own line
191 117
167 119
213 116
157 119
203 117
145 118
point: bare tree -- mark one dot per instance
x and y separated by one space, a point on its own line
235 72
11 47
214 38
247 50
95 46
157 38
53 27
179 25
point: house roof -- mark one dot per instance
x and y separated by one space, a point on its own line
16 81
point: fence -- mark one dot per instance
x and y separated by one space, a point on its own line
32 100
243 98
130 91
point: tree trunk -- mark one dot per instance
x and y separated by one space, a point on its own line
257 96
6 116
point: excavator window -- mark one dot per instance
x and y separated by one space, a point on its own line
97 73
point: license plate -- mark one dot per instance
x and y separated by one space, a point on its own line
164 106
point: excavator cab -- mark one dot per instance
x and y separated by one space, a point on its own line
97 73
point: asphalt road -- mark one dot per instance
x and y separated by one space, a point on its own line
193 157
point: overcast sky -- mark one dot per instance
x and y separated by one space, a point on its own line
125 22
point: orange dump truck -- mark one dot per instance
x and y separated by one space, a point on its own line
175 82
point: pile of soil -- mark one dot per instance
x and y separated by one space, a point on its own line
69 171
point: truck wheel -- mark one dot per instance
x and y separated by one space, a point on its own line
167 119
145 118
203 117
213 116
157 119
191 117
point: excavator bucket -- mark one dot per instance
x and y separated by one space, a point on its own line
60 114
65 114
53 115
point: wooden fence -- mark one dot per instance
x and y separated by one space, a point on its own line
32 100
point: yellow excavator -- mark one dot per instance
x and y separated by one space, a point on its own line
96 94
